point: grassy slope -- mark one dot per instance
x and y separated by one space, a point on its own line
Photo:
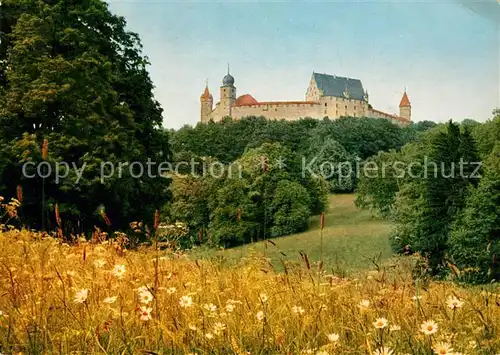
351 236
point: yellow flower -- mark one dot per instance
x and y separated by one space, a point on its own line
380 323
443 349
429 327
263 297
394 328
81 296
260 315
171 290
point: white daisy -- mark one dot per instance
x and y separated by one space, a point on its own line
145 313
81 296
110 300
186 301
119 271
333 337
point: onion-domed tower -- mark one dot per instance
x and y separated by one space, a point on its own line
227 93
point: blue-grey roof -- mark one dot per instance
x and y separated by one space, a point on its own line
332 85
228 80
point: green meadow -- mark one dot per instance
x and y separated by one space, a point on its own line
353 240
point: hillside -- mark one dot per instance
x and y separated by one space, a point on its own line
351 238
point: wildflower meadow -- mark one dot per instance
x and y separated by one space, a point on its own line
101 298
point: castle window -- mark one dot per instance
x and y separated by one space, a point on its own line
325 112
325 104
346 107
354 107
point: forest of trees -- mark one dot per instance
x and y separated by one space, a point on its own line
228 140
450 215
278 200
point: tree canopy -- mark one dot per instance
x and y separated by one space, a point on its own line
73 76
229 139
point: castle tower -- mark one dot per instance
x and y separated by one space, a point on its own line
227 94
405 107
207 102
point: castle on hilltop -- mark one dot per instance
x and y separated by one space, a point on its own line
327 96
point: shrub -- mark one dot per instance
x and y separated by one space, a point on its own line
289 208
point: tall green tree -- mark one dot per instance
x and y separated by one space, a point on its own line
289 208
72 74
487 134
330 159
396 168
190 199
475 239
234 217
443 195
378 192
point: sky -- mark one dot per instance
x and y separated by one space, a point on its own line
445 53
